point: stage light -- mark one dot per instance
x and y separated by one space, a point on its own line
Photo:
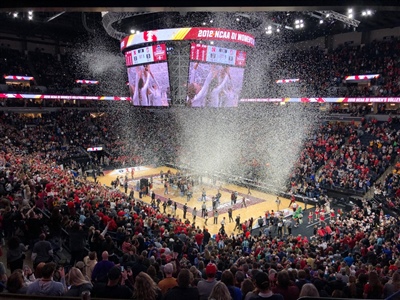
204 23
363 13
211 21
278 30
133 31
268 32
30 17
301 25
15 15
369 12
237 19
350 16
328 15
350 11
269 27
321 21
297 22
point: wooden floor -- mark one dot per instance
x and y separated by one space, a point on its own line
257 203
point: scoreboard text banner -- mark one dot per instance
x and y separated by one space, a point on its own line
188 33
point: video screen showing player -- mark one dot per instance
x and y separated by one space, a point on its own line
149 84
212 85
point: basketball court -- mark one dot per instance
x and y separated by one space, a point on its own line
257 202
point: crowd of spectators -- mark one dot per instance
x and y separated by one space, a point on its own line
347 156
123 248
322 73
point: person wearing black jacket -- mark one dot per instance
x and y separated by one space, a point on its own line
183 291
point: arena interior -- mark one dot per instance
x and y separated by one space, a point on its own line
200 152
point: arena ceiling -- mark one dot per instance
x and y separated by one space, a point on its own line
68 20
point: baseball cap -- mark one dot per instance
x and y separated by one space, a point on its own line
211 269
114 273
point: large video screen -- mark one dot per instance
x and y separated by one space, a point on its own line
215 76
148 75
212 85
149 84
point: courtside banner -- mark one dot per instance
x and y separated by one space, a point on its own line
19 78
188 33
84 81
329 100
62 97
361 77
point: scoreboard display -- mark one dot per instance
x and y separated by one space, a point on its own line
146 55
217 55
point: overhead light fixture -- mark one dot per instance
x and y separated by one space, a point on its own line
237 19
30 12
211 21
204 23
278 30
15 15
30 17
133 31
321 21
367 12
350 11
327 15
350 16
298 24
212 43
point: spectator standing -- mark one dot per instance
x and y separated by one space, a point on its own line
206 286
183 290
102 268
115 287
46 286
168 282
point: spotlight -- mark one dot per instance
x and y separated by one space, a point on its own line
369 12
30 13
204 23
350 16
350 11
268 32
363 13
301 25
237 19
269 27
321 21
328 15
30 17
278 30
211 21
297 22
15 15
212 43
297 26
133 31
